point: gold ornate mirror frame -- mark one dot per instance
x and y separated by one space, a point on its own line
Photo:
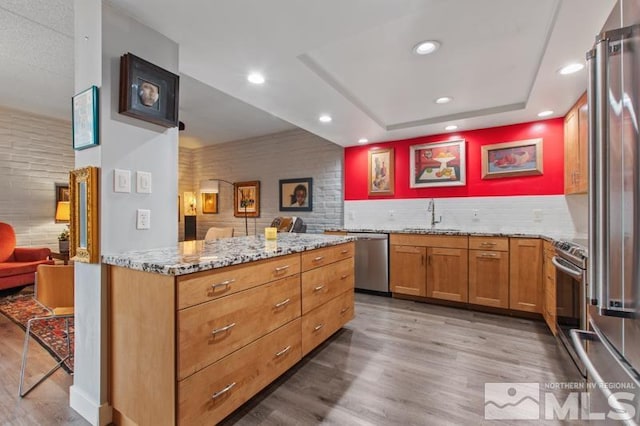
84 244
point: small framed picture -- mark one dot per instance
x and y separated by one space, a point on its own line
381 172
209 203
148 92
84 117
507 159
246 199
296 195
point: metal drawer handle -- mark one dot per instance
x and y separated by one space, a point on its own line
281 304
224 283
318 327
282 352
487 244
318 258
344 277
222 329
488 255
344 310
345 251
320 287
282 268
223 391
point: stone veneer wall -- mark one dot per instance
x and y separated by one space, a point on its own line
286 155
35 154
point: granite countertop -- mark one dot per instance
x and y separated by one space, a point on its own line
577 244
195 256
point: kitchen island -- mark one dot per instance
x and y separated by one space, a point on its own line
198 329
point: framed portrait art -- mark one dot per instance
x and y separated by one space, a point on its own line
148 92
84 117
246 199
381 172
296 195
438 164
507 159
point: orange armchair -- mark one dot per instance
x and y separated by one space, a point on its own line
18 264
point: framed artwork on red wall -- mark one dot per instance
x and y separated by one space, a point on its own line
508 159
438 164
381 172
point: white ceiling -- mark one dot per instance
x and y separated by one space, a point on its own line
351 59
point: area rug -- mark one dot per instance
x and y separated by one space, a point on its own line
50 334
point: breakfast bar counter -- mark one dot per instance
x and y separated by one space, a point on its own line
196 330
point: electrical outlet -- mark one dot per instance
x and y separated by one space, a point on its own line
537 215
143 220
476 215
352 216
392 214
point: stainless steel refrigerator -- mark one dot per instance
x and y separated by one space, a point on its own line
611 347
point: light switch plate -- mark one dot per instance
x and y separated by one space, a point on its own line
143 220
537 215
143 182
121 180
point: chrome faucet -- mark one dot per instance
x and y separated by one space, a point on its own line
432 209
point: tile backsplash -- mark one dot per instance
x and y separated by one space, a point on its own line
558 214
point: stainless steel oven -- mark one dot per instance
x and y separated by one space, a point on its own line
571 283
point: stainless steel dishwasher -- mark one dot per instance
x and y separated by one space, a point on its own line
372 262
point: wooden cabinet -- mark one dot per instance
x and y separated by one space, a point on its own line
429 265
447 273
408 270
549 286
576 136
489 271
525 274
193 348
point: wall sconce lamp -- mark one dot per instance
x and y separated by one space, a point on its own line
62 212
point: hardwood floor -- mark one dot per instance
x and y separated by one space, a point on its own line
398 362
47 404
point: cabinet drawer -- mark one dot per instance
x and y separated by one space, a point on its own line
210 395
325 320
322 284
446 241
326 255
208 285
209 331
489 243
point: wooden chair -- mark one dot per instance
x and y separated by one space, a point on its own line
54 291
215 233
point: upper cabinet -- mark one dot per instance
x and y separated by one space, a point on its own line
576 135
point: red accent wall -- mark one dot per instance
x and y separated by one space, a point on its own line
549 183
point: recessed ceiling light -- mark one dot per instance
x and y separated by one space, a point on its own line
255 78
451 127
571 68
426 47
363 140
325 118
545 113
444 100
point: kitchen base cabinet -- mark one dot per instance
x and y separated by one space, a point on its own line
408 270
429 266
190 349
525 274
489 271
